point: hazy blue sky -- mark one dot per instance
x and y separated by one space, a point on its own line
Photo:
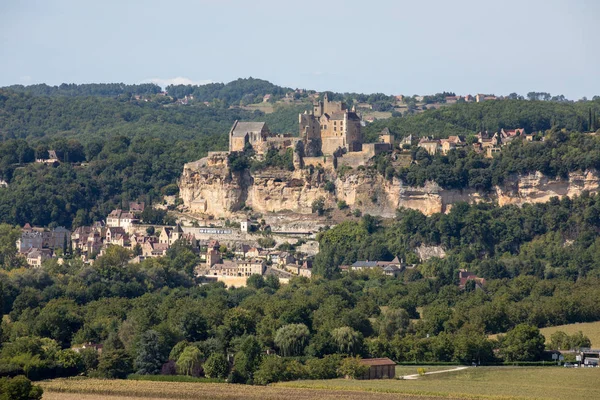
391 46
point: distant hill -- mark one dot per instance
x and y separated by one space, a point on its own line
87 89
241 91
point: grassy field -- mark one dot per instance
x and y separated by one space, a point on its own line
481 383
473 383
589 329
97 389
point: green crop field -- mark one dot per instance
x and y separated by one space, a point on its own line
481 383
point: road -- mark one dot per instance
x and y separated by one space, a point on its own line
416 376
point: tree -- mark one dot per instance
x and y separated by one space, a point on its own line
347 340
579 340
238 322
216 366
352 368
255 281
247 359
114 364
189 362
59 320
318 206
150 354
193 325
19 388
9 257
393 321
292 339
523 343
271 369
471 345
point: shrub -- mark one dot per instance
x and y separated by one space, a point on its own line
342 205
352 368
329 186
19 388
323 368
267 242
318 206
271 369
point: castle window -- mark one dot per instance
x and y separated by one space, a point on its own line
334 128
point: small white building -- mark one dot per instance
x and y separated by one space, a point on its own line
245 225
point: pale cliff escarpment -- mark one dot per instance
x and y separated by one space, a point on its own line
214 190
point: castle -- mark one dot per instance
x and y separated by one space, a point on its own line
329 127
330 135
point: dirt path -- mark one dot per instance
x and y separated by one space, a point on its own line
416 376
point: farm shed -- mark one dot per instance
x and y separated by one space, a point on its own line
379 368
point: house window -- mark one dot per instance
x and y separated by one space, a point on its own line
334 128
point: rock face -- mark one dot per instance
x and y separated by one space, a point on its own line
213 189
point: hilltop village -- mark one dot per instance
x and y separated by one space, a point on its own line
264 220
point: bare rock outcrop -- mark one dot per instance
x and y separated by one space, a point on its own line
211 188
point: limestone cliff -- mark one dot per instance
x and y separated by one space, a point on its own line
214 190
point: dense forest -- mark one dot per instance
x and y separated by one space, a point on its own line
153 318
87 89
546 240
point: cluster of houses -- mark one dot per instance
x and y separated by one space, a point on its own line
39 244
487 142
122 229
249 261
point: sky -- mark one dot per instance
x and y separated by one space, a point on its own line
389 46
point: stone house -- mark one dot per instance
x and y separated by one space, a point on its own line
136 207
465 276
41 238
113 234
35 257
170 235
451 143
432 146
120 219
150 249
254 133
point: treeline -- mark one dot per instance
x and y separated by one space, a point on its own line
23 116
86 89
